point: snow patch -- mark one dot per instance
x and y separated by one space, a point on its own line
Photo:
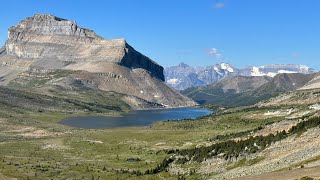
223 66
227 67
304 67
173 81
286 72
271 74
256 72
230 69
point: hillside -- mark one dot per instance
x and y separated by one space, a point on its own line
313 84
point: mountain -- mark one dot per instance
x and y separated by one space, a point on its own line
274 69
247 90
46 53
184 76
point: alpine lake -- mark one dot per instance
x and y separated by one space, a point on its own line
135 118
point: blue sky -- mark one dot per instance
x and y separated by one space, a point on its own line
197 32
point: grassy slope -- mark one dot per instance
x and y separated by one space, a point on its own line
34 145
68 152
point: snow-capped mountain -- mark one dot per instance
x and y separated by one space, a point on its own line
184 76
274 69
213 73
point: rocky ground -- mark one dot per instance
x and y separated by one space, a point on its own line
286 154
300 97
312 172
299 153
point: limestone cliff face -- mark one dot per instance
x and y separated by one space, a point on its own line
45 43
50 25
62 41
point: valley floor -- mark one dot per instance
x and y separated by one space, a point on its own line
34 145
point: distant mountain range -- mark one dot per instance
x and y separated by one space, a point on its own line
183 76
248 90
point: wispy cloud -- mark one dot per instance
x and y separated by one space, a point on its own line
219 5
212 51
215 52
295 54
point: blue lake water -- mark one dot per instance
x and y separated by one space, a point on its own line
135 118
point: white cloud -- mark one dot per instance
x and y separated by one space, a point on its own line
219 5
215 52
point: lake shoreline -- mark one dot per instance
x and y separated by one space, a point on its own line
135 118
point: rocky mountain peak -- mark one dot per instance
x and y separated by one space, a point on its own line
183 65
43 24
